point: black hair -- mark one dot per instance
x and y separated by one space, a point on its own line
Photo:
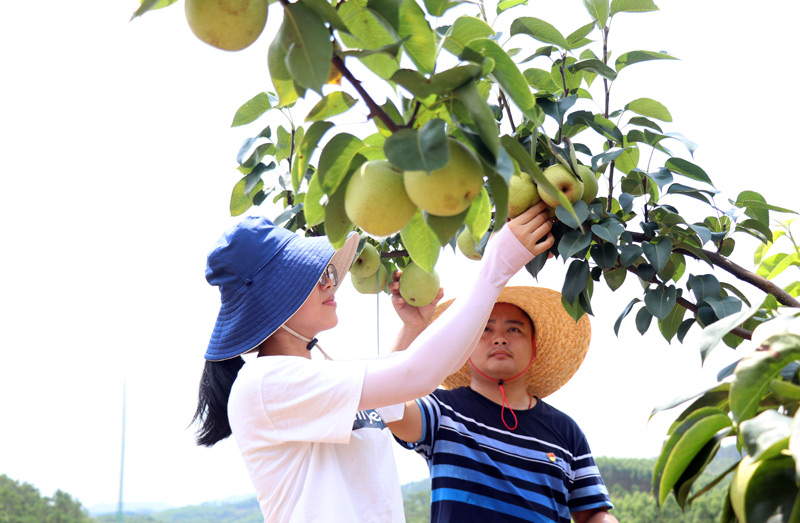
212 400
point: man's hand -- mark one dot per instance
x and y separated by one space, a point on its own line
414 318
532 229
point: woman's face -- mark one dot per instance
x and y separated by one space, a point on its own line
318 313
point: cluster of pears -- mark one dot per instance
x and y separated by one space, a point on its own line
230 25
368 275
523 193
381 199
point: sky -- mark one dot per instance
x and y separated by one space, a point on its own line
116 164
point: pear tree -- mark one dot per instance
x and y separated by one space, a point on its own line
456 87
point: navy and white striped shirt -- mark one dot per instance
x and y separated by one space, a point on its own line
480 471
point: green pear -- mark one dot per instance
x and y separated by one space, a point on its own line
371 283
367 262
376 200
230 25
589 180
466 244
450 190
564 181
522 194
418 286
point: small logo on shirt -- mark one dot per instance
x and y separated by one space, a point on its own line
368 419
551 457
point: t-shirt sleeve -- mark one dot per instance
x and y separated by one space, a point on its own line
588 490
430 413
310 400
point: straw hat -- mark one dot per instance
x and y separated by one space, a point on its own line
265 273
561 344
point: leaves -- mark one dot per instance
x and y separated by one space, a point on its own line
420 44
251 110
421 242
423 150
598 10
688 169
465 30
539 30
576 279
308 48
634 57
632 6
649 108
331 104
335 159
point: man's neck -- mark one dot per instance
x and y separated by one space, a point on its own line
517 396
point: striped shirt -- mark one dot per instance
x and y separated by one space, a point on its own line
480 471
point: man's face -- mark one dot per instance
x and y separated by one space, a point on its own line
505 347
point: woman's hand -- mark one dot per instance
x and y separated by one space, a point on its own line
532 229
415 318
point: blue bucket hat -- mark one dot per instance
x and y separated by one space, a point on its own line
265 273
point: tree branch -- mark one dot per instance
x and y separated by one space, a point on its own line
374 108
741 273
504 104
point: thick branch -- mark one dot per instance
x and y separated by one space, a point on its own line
741 273
375 110
736 331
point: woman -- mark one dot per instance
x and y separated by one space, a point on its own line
312 432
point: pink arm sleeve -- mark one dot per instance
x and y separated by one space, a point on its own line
444 346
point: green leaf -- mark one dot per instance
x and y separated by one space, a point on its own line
540 79
598 10
539 30
658 252
756 229
755 372
251 110
643 319
628 254
595 66
660 300
283 149
580 215
479 217
465 30
331 104
481 115
335 159
423 150
632 6
305 149
634 57
308 57
502 5
445 226
599 124
683 444
576 279
704 286
507 74
281 78
615 278
499 188
369 32
327 13
649 108
149 5
776 264
624 313
241 201
753 200
573 242
577 39
421 242
724 307
439 7
337 224
770 489
766 435
312 208
688 169
609 230
669 326
421 45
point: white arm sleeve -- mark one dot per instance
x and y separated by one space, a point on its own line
444 346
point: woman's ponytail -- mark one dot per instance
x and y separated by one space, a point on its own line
212 400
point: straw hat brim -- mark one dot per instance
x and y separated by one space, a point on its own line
561 343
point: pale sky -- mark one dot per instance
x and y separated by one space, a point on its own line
116 168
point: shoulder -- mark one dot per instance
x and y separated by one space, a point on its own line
559 419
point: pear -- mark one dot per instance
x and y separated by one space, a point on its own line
230 25
522 194
589 180
367 262
466 244
418 286
450 190
376 200
564 181
372 283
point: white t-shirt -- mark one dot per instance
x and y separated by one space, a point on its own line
310 454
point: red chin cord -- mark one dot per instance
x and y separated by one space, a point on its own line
503 392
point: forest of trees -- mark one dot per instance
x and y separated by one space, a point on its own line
628 481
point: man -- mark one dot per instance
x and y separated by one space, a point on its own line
496 451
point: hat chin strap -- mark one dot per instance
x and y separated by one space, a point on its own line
312 342
503 391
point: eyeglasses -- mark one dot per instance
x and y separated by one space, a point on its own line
329 273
